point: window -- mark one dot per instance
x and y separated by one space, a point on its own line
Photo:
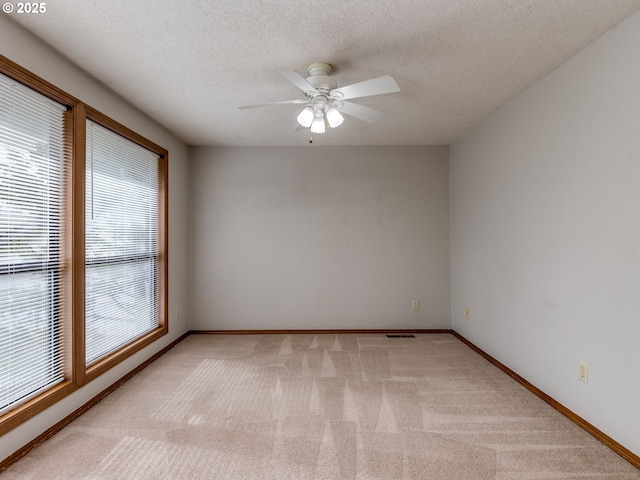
122 194
83 244
32 210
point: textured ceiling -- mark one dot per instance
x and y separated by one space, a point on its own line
190 63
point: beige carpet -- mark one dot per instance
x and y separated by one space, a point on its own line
322 407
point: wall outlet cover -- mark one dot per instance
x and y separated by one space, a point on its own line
583 371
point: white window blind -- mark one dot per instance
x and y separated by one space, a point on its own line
122 195
32 173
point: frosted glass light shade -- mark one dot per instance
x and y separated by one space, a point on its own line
334 117
306 117
317 126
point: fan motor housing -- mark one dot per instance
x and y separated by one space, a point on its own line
323 83
319 76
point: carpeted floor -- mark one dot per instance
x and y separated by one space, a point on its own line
322 407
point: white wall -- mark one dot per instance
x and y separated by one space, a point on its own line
545 227
24 49
319 237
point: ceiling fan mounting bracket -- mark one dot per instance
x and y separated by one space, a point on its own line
319 68
320 77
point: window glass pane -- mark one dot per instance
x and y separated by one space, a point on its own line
31 215
121 241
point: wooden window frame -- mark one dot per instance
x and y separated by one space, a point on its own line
99 367
77 373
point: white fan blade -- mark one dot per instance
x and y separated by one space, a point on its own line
299 81
284 102
375 86
363 113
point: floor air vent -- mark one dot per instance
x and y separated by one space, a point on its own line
401 336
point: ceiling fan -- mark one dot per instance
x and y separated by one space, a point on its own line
325 103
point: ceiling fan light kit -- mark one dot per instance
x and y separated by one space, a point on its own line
306 116
333 117
325 102
317 126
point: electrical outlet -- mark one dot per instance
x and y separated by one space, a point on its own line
467 314
583 371
415 305
177 312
